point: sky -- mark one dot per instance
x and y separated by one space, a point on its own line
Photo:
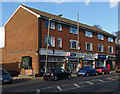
90 12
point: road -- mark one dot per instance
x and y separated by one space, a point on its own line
101 83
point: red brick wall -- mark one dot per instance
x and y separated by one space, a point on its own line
66 36
21 38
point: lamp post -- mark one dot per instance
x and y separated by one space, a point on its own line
78 42
47 44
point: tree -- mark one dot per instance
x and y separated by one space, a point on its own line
97 26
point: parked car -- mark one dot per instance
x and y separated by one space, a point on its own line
103 70
55 74
86 71
5 77
117 69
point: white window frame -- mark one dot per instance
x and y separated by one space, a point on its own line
52 25
91 46
110 39
71 47
59 27
87 33
100 37
51 40
109 49
71 30
101 48
59 42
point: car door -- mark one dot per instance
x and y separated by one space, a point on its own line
92 71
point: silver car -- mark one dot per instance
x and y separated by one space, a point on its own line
5 77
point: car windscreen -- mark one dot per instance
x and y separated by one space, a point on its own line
83 68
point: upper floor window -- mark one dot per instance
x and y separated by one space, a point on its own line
110 39
59 42
89 46
51 41
73 44
52 25
73 30
88 34
59 27
110 49
100 48
100 37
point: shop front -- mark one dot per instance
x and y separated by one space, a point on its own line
55 58
111 61
100 60
72 63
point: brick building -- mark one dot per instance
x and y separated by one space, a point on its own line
26 35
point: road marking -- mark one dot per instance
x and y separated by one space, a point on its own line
111 78
76 85
89 82
100 80
59 88
116 77
37 91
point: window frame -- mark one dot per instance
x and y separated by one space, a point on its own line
100 38
91 46
59 39
52 25
59 28
51 40
71 47
109 50
110 39
86 34
72 29
102 48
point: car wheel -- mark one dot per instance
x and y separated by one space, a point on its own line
69 76
96 73
55 78
45 79
103 73
87 74
110 72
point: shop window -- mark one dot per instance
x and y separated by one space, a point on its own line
73 44
59 42
52 25
59 27
88 34
89 46
73 30
100 48
51 41
110 49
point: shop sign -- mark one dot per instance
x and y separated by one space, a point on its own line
52 52
102 56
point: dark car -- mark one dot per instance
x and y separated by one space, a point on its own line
55 74
86 71
103 70
5 77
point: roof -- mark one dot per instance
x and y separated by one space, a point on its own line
52 16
